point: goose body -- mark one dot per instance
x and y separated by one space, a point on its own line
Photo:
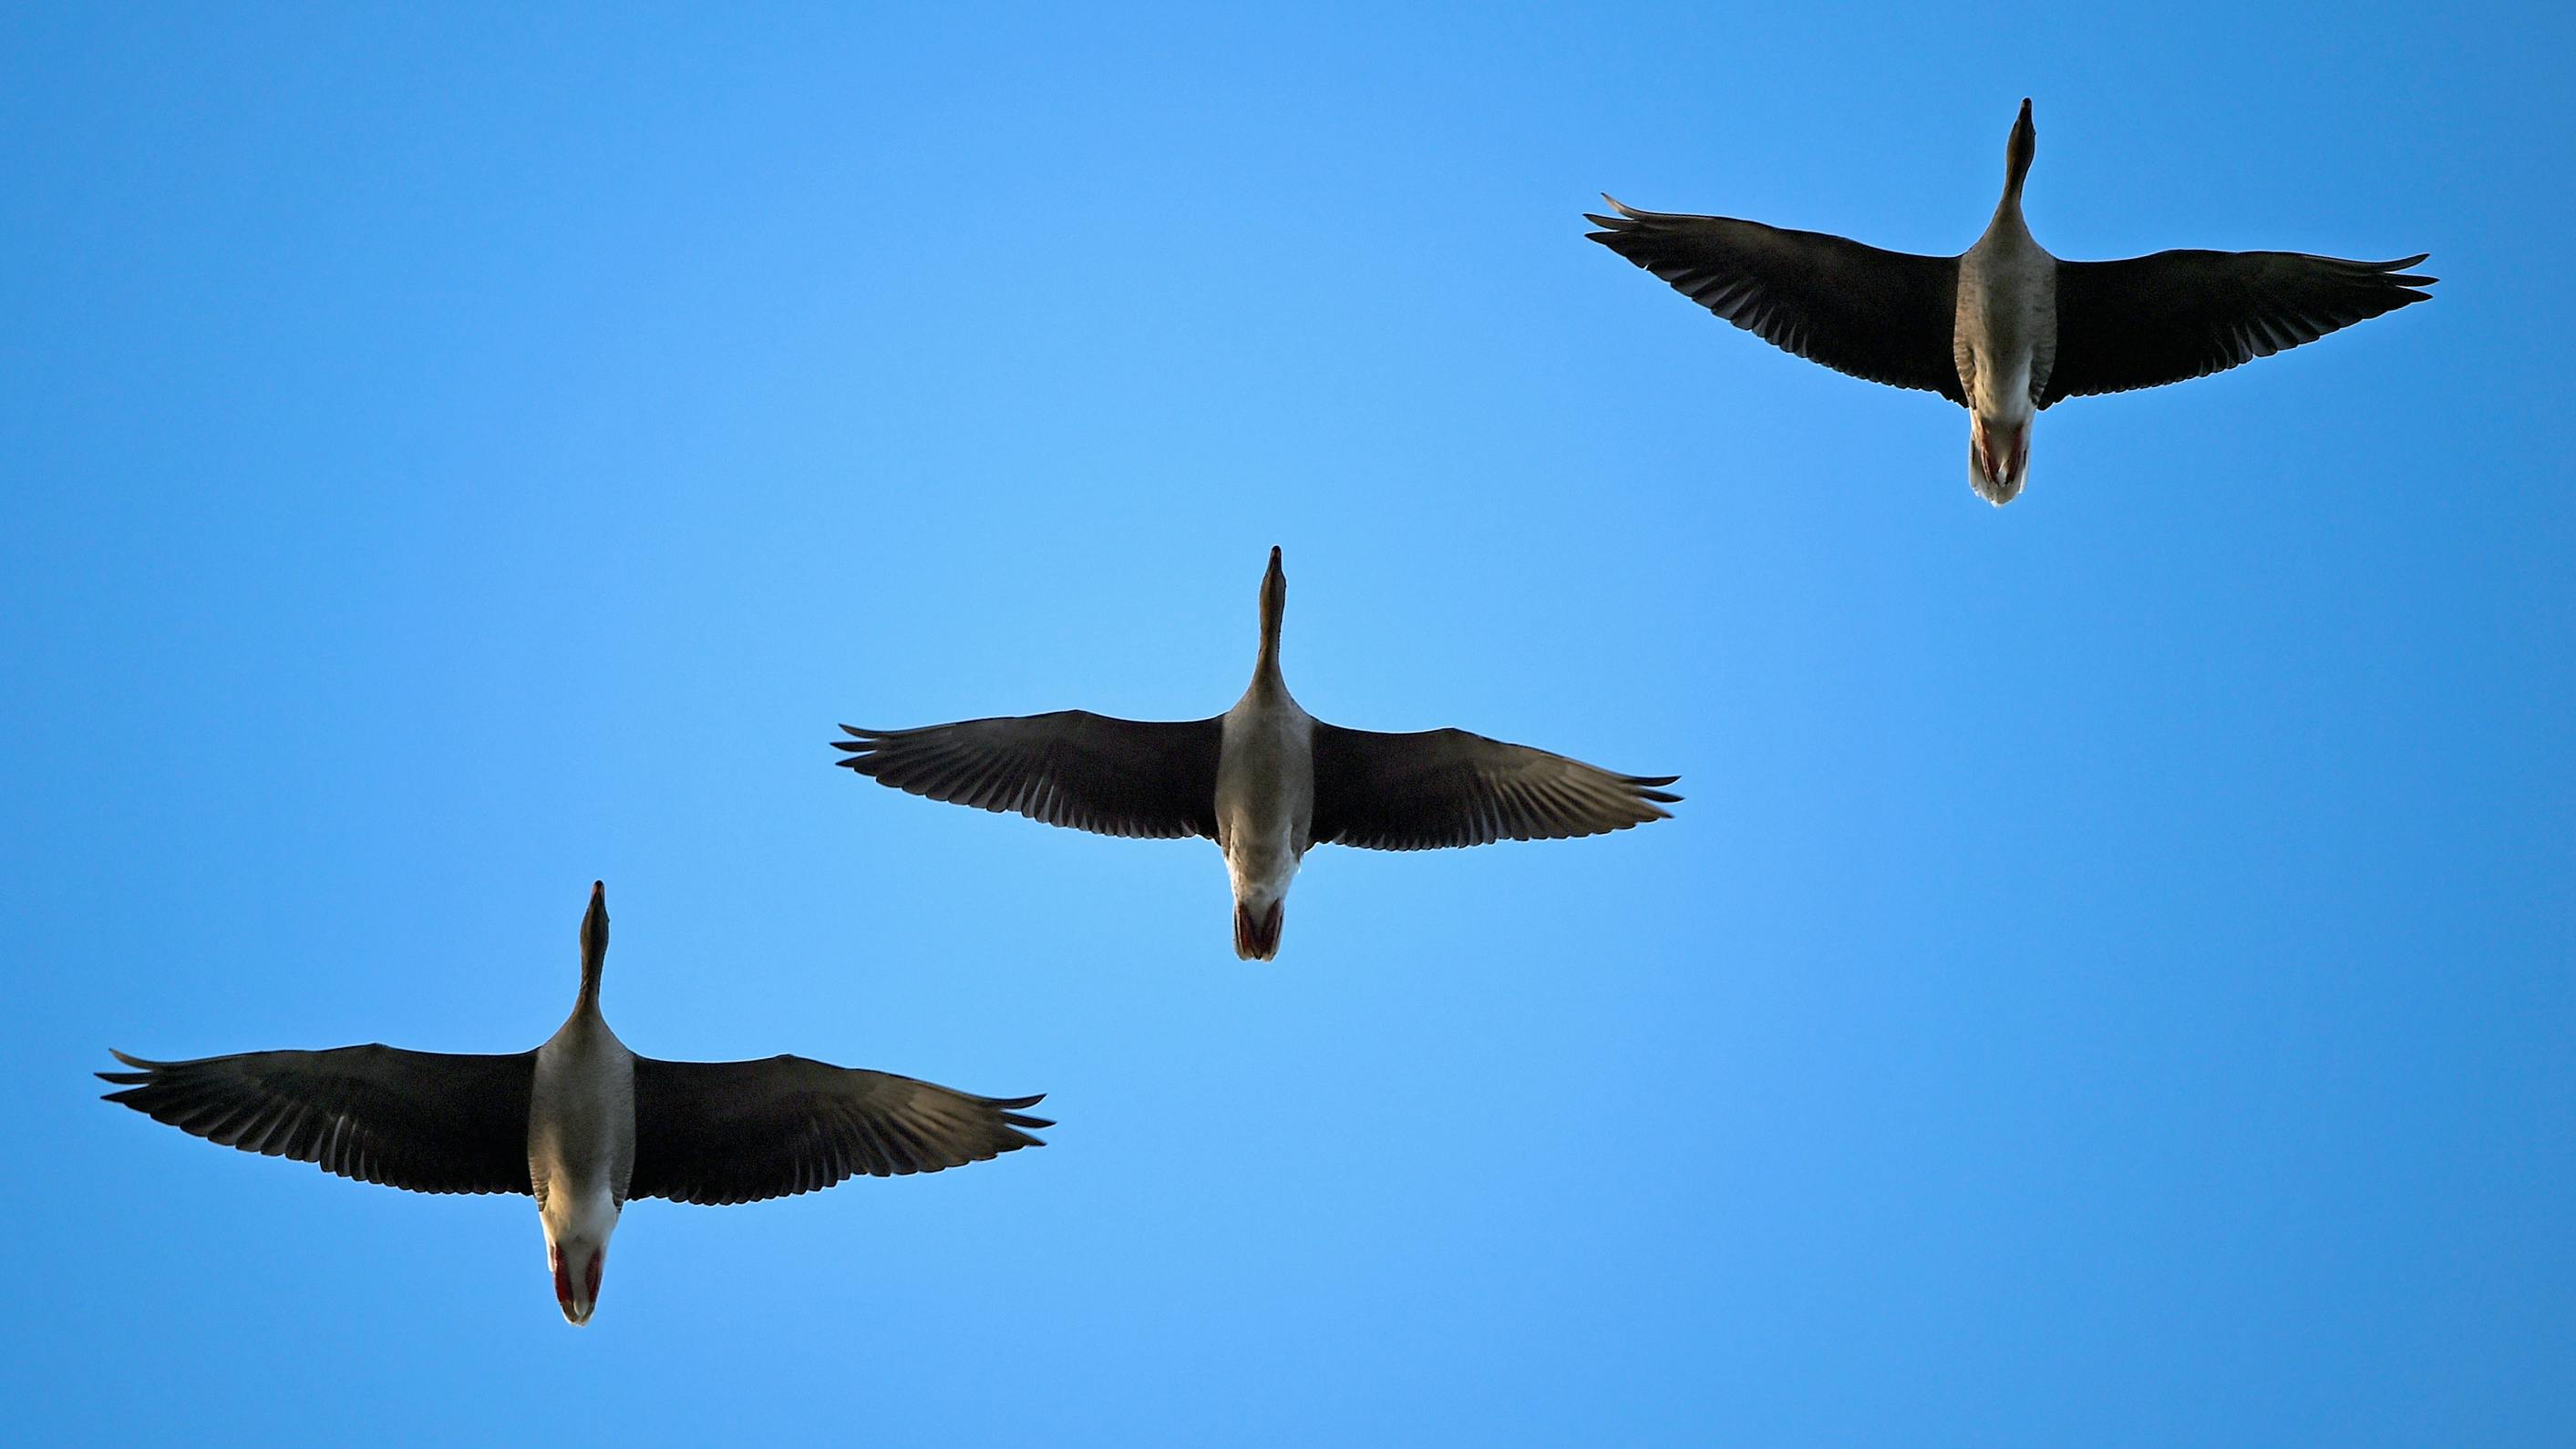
1265 807
2003 339
581 1123
1265 780
2005 329
581 1132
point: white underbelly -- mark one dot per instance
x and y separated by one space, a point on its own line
1264 799
2003 393
581 1130
2006 324
1261 866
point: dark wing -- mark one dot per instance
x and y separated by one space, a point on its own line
1448 787
1884 316
2148 321
728 1132
425 1121
1071 768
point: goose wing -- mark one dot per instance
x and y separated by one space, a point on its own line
424 1121
1884 316
729 1132
1448 787
1071 768
2147 321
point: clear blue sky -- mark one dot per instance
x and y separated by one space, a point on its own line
2110 982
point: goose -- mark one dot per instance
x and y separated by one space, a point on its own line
1265 780
580 1123
2005 329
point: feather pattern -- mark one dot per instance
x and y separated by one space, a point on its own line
1442 788
2176 315
1879 315
422 1121
1071 768
732 1132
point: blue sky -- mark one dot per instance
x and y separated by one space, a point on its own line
2110 981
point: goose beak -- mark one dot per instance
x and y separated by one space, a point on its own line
1276 572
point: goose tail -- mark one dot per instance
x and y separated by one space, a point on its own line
1256 933
1998 458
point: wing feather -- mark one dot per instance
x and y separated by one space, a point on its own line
730 1132
2147 321
422 1121
1880 315
1451 788
1072 768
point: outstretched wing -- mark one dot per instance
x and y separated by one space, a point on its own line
1448 787
424 1121
1884 316
1071 768
2147 321
728 1132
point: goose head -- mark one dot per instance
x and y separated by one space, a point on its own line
2019 148
1274 593
594 944
594 928
1274 606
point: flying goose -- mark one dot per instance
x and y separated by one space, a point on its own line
581 1123
1265 780
2005 329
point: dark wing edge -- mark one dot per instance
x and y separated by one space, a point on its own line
717 1133
1139 779
1882 316
1449 788
2177 315
431 1122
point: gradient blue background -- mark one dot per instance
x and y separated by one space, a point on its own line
2110 983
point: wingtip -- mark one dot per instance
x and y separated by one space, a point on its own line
860 744
1627 215
1015 1116
140 1076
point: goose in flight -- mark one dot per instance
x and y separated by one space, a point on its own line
580 1123
2005 329
1265 780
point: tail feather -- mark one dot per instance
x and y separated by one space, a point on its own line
1256 938
1998 459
